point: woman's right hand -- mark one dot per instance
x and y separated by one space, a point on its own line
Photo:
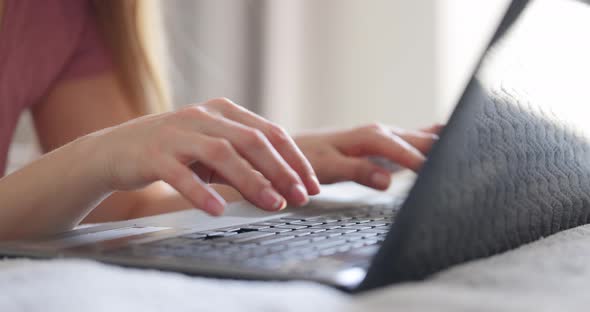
217 141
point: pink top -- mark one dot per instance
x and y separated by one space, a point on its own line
41 44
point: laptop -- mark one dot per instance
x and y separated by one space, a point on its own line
511 166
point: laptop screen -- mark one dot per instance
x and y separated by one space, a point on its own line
513 163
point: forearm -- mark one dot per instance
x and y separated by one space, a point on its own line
50 195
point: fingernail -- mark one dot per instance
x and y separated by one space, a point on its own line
316 184
299 194
380 180
214 206
316 181
272 199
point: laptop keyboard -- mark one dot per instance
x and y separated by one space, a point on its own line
271 243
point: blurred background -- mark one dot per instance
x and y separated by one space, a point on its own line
309 64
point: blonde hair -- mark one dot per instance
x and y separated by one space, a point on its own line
131 32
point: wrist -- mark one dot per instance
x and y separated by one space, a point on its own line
88 164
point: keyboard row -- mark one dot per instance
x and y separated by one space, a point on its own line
272 242
268 251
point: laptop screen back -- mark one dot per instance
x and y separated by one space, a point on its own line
513 163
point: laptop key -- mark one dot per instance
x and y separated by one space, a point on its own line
377 231
384 226
327 226
315 230
254 227
345 223
341 231
275 230
300 232
330 233
376 224
291 227
244 237
308 223
357 227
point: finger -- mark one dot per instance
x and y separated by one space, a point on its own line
434 129
190 186
422 141
218 179
289 150
253 146
362 171
204 172
282 142
227 192
210 176
219 155
373 141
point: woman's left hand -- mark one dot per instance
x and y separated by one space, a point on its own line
343 155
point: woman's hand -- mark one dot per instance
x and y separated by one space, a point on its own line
217 141
343 155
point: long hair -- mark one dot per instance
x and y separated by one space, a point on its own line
131 32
